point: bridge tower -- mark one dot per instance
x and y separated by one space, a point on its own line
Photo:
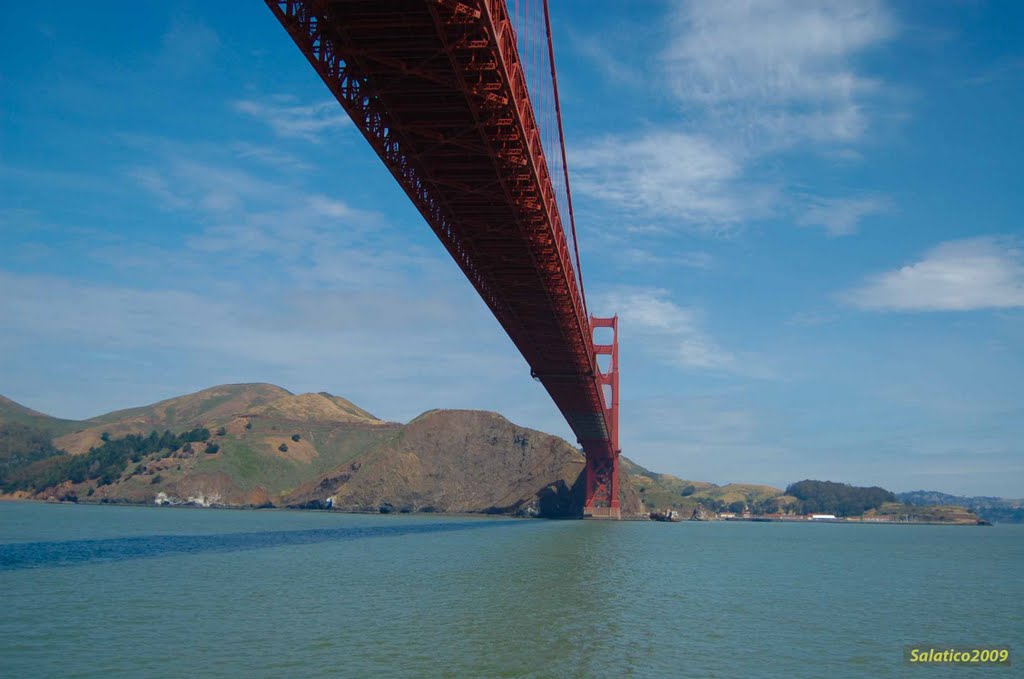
602 470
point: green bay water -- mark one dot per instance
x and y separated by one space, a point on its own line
102 591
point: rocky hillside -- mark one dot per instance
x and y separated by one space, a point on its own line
460 461
260 445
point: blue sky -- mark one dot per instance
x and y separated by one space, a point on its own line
807 214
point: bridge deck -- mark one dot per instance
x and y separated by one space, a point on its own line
438 90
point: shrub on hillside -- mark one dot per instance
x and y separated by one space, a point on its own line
105 463
828 497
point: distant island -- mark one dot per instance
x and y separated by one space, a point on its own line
258 445
991 509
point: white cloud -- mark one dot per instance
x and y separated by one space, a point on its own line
308 238
840 216
273 281
783 71
960 275
288 119
753 78
675 175
671 332
690 260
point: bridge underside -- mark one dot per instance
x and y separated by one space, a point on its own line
438 90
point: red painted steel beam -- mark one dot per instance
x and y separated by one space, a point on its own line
602 472
438 90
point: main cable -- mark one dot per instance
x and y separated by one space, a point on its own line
565 162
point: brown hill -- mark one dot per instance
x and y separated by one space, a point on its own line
321 407
209 407
460 461
271 447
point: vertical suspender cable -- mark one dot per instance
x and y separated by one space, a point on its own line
565 162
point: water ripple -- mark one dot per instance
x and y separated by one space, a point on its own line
21 556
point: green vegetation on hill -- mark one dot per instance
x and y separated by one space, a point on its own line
664 491
21 445
898 511
254 458
104 464
735 497
828 497
15 413
992 509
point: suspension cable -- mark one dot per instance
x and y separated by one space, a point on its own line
565 162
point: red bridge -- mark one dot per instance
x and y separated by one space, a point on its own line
460 101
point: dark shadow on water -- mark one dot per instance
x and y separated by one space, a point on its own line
26 555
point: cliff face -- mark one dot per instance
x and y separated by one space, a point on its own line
270 447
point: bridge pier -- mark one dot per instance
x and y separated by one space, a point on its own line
602 485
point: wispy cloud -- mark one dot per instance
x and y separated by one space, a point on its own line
782 70
752 79
840 216
682 176
690 260
960 275
154 182
340 336
248 220
289 119
1006 70
187 44
671 332
271 280
270 156
608 60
